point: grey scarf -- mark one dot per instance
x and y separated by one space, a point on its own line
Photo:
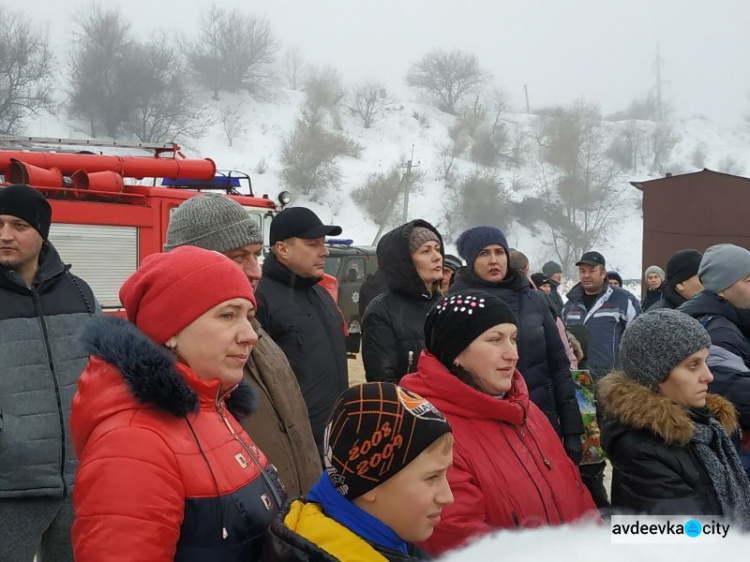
728 477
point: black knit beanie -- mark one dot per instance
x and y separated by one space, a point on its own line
458 319
374 431
683 265
28 204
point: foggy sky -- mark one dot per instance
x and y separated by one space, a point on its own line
563 49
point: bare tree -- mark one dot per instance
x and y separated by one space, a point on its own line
232 122
295 68
479 198
308 155
98 63
369 100
380 194
26 65
235 51
205 55
249 50
164 109
447 77
325 90
578 180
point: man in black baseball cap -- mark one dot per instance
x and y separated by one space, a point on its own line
300 222
591 258
300 315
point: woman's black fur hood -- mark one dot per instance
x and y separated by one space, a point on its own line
150 370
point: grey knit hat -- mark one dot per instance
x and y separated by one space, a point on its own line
420 235
550 268
656 342
213 222
722 266
654 269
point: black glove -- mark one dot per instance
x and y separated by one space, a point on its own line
573 447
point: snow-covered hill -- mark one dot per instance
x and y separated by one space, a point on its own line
390 141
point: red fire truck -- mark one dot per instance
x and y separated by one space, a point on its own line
111 211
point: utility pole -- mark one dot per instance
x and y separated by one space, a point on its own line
407 184
526 91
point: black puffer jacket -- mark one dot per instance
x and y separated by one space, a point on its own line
393 324
303 320
542 359
670 299
648 440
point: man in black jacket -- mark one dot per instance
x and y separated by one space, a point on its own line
42 307
723 308
300 315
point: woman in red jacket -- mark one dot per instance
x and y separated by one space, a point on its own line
166 471
509 468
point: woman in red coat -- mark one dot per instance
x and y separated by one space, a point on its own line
509 468
166 471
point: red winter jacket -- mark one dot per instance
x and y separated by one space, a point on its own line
509 467
166 472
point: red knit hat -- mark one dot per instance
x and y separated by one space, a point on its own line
170 291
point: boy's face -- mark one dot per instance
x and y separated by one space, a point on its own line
410 502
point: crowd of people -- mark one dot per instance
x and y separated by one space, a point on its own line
216 421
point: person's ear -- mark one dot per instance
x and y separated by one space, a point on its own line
281 249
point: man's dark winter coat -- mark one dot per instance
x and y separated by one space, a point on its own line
303 320
393 324
670 299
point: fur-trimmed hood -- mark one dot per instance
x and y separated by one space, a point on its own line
127 370
637 406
